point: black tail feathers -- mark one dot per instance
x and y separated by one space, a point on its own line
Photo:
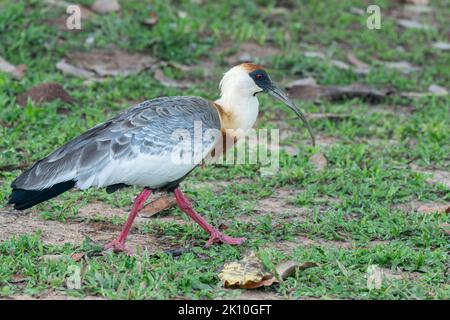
24 199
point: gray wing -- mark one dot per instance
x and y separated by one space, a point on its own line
143 129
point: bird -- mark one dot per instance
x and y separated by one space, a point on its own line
135 148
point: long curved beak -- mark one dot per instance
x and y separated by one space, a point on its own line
276 92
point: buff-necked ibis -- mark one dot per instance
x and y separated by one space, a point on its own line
134 148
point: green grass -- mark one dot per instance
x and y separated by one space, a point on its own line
368 166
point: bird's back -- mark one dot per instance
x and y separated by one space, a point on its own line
133 148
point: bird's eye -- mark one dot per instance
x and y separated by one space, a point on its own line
259 76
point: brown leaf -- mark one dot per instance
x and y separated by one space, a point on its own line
434 208
437 90
18 278
319 161
340 64
248 273
72 70
302 82
45 92
51 257
357 11
402 66
361 67
441 45
152 19
417 2
112 62
223 227
331 116
17 72
288 268
105 6
250 51
411 24
164 202
335 93
77 256
167 82
96 64
314 54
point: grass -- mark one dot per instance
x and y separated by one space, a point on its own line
357 214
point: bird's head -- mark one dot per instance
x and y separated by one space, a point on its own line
249 79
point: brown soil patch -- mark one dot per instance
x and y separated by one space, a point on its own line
279 204
437 176
53 232
103 211
423 207
58 233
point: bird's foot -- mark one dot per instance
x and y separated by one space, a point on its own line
219 237
117 246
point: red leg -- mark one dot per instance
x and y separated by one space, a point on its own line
118 244
215 235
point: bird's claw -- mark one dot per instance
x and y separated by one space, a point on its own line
117 246
219 237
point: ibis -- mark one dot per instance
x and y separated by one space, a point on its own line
134 149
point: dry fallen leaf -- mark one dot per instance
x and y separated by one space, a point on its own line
166 201
45 92
441 45
319 161
112 62
51 257
411 24
302 82
360 66
340 64
357 11
248 273
152 19
417 2
314 54
98 63
416 9
18 278
105 6
288 268
72 70
437 90
335 93
434 208
356 62
327 115
17 72
402 66
77 256
167 82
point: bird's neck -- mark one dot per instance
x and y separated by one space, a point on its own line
238 111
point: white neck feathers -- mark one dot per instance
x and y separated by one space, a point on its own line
238 98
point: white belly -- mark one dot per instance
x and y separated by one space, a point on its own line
151 171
